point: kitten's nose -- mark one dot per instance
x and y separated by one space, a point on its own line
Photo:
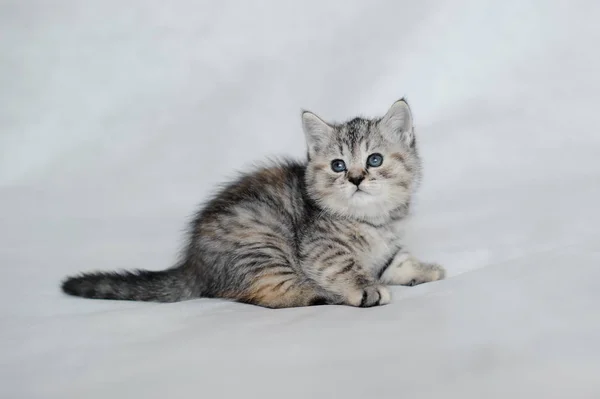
356 179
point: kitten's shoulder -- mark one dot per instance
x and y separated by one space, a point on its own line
279 171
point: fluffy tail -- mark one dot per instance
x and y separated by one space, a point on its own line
170 285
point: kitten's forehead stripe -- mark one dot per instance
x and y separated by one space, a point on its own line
353 134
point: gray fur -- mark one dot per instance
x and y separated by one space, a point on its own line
298 233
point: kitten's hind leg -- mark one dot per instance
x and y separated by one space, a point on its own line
405 269
283 289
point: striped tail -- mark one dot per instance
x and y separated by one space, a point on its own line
170 285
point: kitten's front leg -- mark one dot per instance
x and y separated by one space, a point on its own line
405 269
339 273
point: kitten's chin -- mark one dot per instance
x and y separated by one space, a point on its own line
358 193
360 205
367 204
362 198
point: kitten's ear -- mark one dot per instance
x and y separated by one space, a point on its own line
316 130
397 124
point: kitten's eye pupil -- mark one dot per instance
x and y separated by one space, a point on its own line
375 160
337 165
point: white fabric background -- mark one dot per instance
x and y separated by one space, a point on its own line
118 117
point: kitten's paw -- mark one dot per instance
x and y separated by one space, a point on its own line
436 272
427 272
374 295
407 270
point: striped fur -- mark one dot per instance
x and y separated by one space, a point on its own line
298 233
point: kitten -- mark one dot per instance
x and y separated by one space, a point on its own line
323 231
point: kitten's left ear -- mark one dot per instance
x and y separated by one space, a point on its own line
397 124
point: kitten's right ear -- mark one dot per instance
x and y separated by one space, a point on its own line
316 130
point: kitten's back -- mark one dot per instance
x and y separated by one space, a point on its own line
242 246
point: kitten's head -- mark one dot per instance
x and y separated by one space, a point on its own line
365 168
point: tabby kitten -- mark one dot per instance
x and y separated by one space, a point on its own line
323 231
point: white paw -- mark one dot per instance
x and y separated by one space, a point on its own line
374 295
385 295
428 272
441 272
436 271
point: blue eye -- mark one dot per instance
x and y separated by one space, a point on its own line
375 160
337 165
